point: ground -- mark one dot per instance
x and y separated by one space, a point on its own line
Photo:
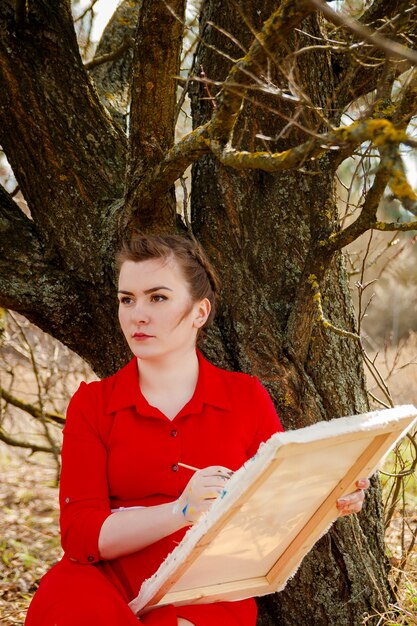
29 541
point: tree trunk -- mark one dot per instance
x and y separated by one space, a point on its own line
261 230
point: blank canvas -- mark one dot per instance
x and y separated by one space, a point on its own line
276 507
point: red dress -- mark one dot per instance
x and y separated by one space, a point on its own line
119 451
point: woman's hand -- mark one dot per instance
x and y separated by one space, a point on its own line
353 502
204 487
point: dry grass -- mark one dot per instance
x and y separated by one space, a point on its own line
29 541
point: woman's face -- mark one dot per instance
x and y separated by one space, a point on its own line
156 312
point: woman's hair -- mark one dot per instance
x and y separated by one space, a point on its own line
190 256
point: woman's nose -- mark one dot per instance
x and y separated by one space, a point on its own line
139 315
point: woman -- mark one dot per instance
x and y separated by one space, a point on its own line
125 499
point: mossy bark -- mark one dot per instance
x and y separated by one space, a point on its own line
262 231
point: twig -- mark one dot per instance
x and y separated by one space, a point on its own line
10 441
88 9
57 418
321 317
42 419
127 43
391 48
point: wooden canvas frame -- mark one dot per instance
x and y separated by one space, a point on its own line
276 507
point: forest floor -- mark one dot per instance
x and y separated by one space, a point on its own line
29 531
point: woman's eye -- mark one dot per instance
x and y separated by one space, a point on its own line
125 300
157 297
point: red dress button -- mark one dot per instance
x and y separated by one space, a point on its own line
174 467
173 433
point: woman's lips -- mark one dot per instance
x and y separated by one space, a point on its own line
141 336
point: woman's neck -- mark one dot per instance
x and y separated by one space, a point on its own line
174 372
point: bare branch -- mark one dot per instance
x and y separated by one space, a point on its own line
112 78
367 216
359 72
74 185
401 188
274 33
153 108
391 48
11 441
200 141
20 239
406 108
396 226
57 418
128 42
86 10
172 166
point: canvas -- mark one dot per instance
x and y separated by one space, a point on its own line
277 505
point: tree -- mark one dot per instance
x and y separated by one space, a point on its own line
272 89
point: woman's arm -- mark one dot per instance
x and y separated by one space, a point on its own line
127 531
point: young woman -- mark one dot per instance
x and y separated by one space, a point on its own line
125 499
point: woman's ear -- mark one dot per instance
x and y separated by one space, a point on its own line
202 312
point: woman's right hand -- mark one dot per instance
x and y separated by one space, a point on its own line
203 488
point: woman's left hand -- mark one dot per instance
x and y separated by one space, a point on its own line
353 502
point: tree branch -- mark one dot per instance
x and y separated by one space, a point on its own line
10 441
391 48
20 239
112 74
127 43
388 226
159 180
75 184
154 89
316 296
380 132
392 13
32 410
367 216
267 43
406 109
401 188
33 285
357 78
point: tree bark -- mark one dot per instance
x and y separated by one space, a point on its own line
242 219
152 127
113 78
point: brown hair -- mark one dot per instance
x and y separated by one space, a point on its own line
190 256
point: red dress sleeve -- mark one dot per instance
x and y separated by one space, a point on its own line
83 496
266 417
